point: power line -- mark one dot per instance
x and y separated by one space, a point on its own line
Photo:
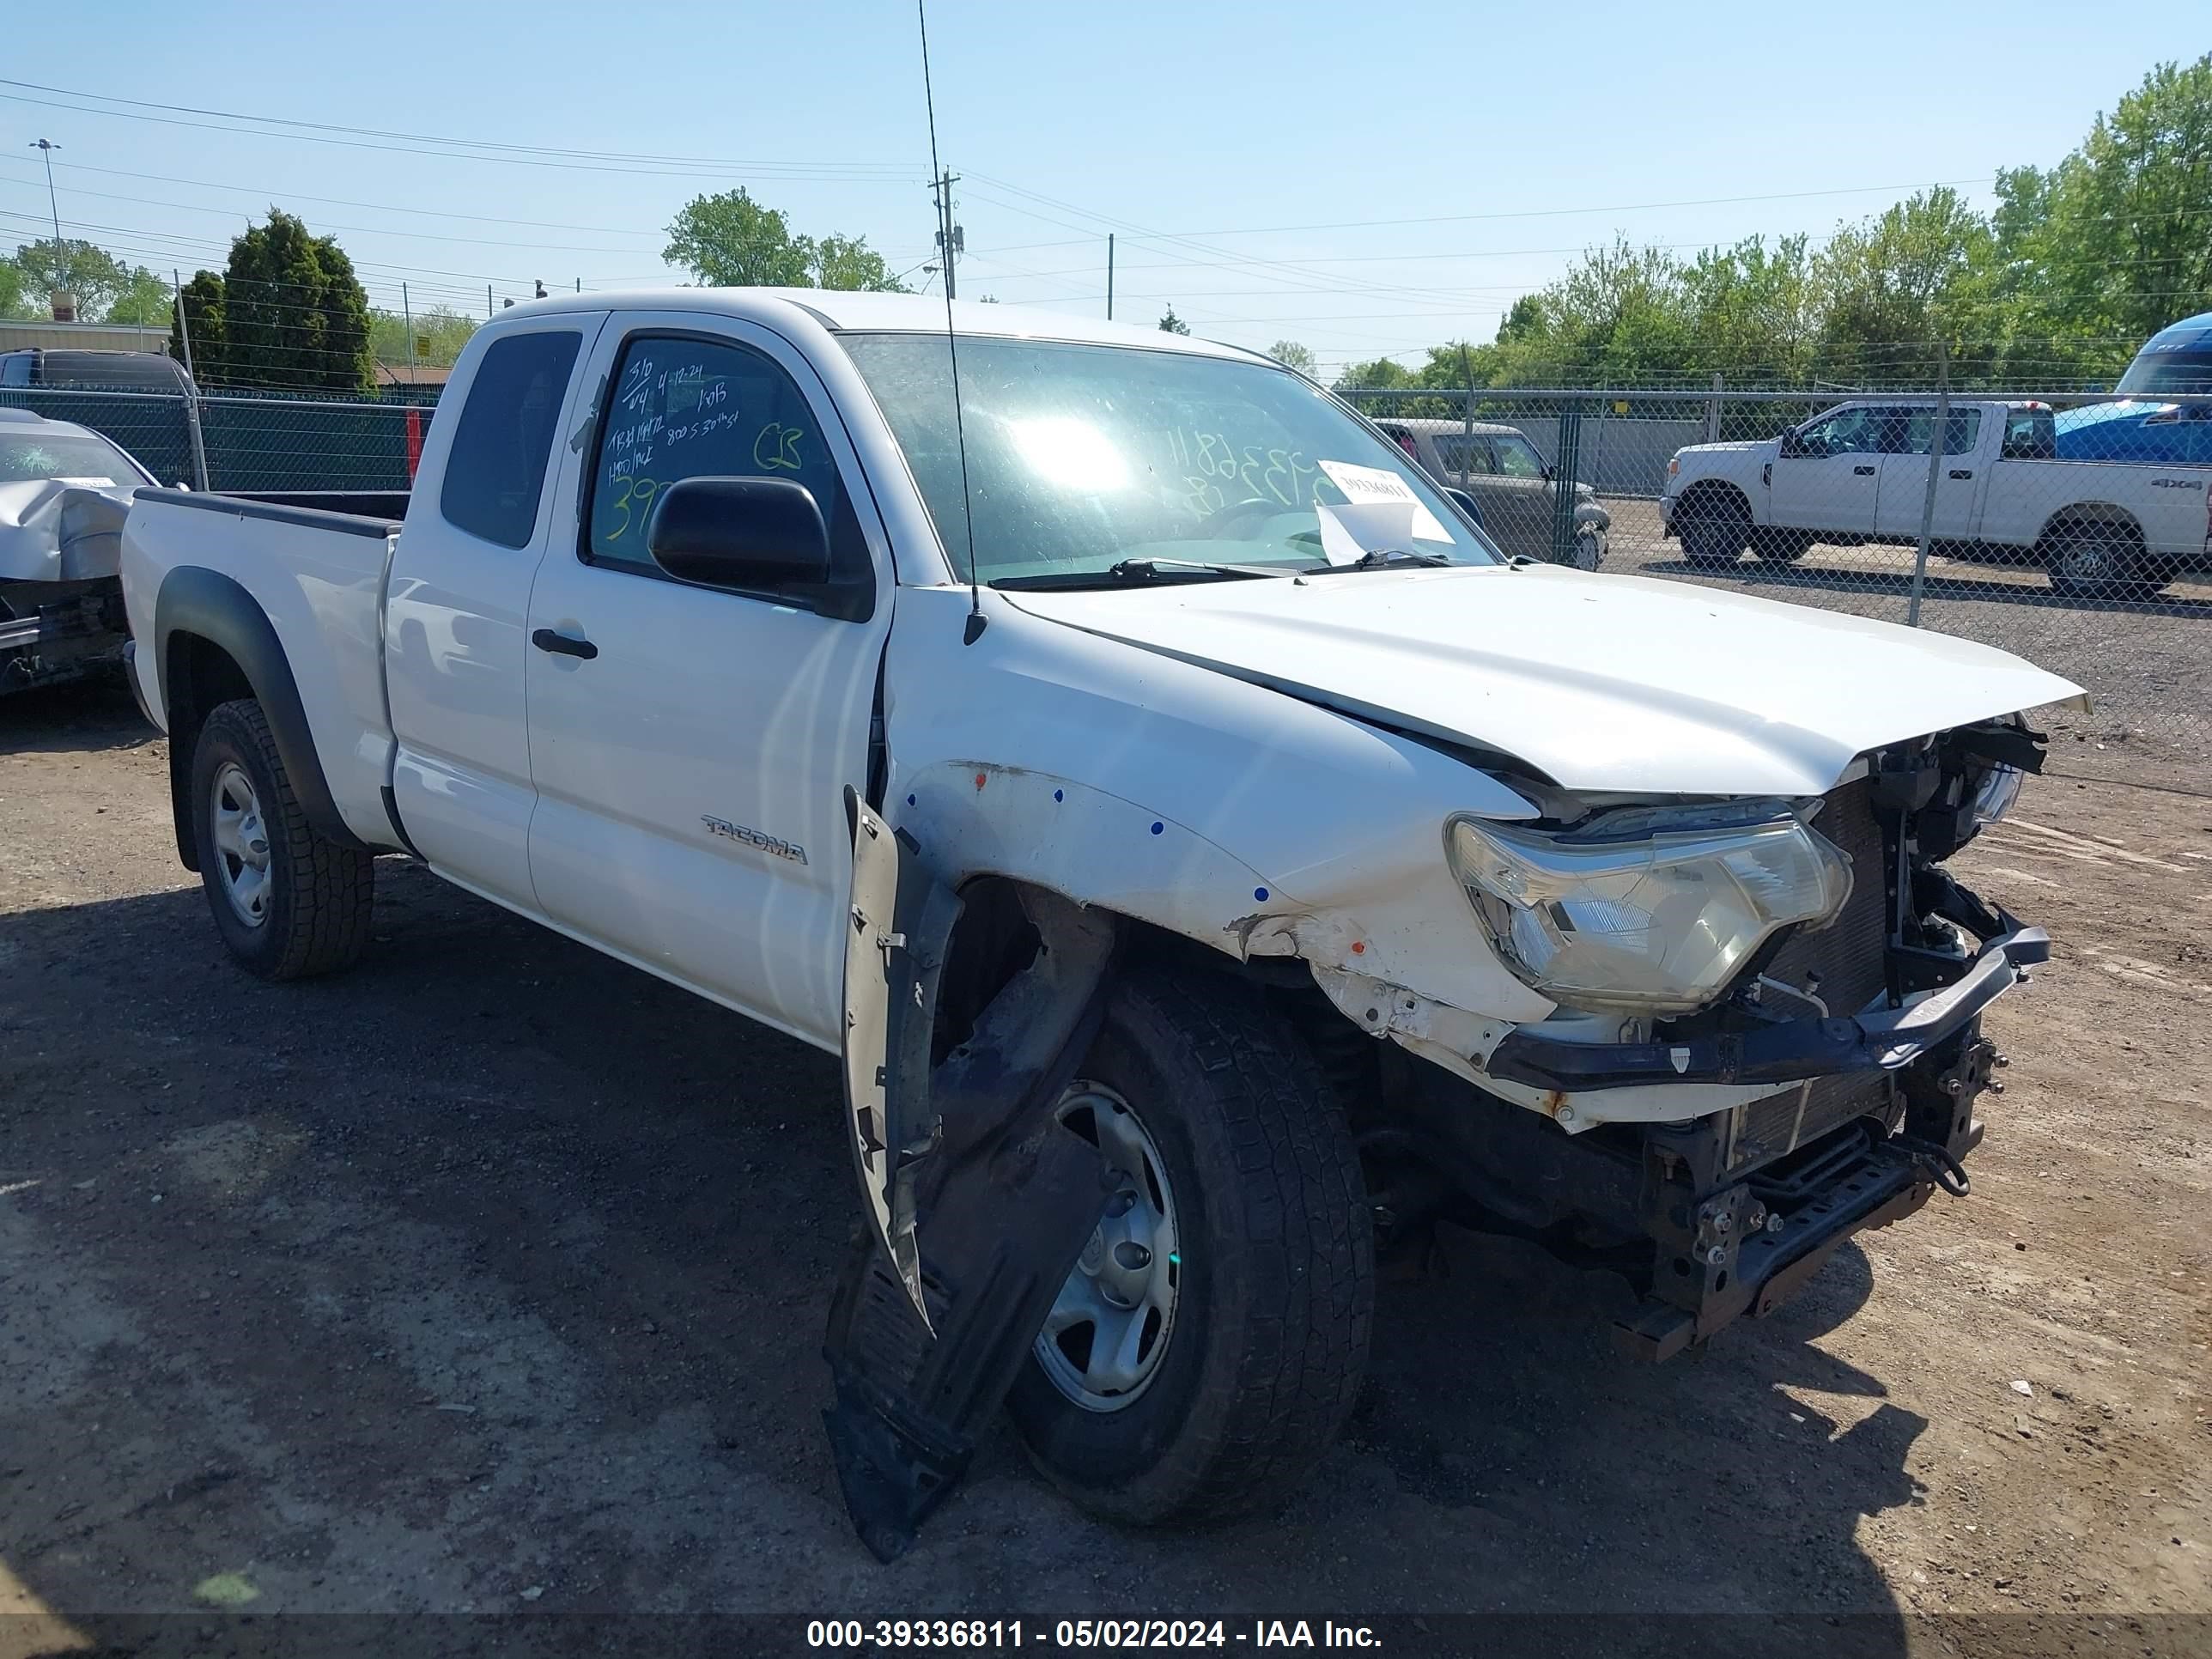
888 170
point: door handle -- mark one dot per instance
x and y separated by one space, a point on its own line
561 646
1962 473
1862 472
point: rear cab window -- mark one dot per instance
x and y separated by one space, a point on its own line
2030 434
503 444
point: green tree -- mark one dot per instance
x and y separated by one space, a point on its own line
1171 324
92 274
14 293
849 263
147 301
288 312
1383 375
203 317
2117 239
1900 282
732 240
439 335
1291 354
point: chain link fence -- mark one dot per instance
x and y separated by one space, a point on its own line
2071 528
263 442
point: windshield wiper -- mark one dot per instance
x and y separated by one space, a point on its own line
1131 573
1378 557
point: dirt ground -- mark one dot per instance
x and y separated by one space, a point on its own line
490 1277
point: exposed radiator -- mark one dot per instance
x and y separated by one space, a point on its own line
1848 957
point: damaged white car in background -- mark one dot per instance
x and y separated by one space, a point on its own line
1214 861
63 492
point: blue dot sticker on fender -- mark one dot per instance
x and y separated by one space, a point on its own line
910 800
1158 826
1260 894
1059 794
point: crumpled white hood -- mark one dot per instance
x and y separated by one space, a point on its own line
1603 682
53 531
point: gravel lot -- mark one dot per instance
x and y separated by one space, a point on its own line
2142 662
490 1277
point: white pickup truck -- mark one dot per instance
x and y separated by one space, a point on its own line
1213 858
1859 473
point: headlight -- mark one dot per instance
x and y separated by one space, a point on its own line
1658 924
1995 795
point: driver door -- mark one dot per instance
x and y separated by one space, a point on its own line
1828 477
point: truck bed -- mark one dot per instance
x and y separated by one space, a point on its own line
319 576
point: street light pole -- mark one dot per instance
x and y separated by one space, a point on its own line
53 201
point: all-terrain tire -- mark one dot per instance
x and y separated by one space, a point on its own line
1269 1348
316 895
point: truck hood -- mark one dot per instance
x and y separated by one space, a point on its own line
1601 683
1734 447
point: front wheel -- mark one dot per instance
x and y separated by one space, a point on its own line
1715 533
288 902
1213 1335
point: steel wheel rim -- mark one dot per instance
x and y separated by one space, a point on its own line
1107 1331
241 843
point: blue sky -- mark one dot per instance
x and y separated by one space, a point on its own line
1242 154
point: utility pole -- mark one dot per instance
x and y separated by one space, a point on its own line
1110 276
407 315
951 241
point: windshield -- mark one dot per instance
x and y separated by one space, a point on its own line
2182 363
1084 457
26 458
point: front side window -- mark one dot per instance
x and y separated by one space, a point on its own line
1861 431
1080 458
495 471
1517 457
685 408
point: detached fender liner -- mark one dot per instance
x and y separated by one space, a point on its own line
197 601
1788 1051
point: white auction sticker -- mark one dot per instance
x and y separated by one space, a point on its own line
1365 486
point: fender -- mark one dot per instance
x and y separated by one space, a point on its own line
206 604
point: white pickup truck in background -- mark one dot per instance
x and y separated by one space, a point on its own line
1859 473
1213 858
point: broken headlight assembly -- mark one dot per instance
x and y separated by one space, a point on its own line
1995 795
1645 910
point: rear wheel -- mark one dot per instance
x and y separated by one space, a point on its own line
1213 1335
288 902
1714 531
2099 562
1590 551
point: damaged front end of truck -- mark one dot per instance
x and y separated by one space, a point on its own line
1711 1122
1856 1033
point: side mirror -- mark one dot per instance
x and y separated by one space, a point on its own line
758 533
1466 503
1793 445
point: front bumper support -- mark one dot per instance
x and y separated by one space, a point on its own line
1787 1051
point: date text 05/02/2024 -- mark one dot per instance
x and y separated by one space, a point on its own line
1083 1633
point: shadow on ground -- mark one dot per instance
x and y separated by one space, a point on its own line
496 1267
